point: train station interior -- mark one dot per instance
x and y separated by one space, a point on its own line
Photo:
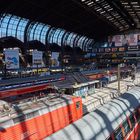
70 70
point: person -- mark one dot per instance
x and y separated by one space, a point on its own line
133 72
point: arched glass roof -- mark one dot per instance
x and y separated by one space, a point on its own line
38 31
19 27
72 40
13 26
80 42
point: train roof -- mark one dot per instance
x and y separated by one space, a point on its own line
67 85
99 124
45 104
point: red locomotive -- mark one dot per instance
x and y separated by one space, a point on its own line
35 115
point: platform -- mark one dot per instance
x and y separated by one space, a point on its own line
105 94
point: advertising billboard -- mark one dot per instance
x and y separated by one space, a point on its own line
121 49
132 39
54 59
12 58
118 40
114 49
37 60
124 40
107 49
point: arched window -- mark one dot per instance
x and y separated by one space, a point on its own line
13 26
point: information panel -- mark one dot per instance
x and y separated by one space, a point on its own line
12 58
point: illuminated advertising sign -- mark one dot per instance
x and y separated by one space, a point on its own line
118 40
54 59
122 49
114 49
132 39
37 58
12 59
107 49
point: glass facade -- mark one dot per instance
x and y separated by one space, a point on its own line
19 27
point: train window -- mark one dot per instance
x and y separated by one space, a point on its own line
7 123
126 127
118 134
78 105
32 114
132 120
19 119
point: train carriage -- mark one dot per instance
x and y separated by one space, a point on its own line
35 118
116 120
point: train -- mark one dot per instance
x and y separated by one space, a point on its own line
38 114
119 119
24 88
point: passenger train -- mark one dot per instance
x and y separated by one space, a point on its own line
117 120
24 88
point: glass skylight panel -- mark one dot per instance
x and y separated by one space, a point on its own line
131 12
13 26
86 2
102 12
73 40
127 6
90 3
134 2
136 6
125 3
111 18
110 9
99 9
